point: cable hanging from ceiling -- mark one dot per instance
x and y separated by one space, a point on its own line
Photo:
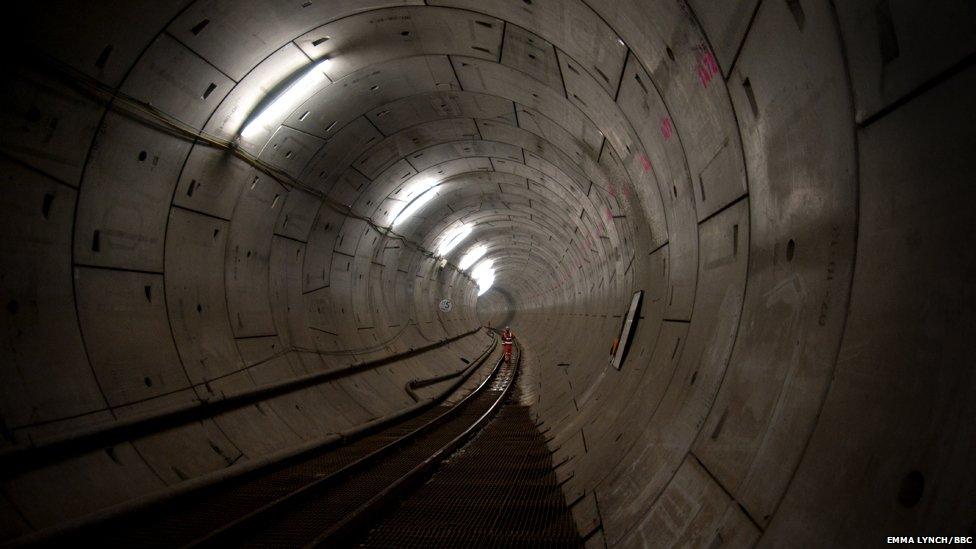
146 113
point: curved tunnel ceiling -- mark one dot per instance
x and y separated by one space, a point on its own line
753 167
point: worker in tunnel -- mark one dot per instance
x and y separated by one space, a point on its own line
508 338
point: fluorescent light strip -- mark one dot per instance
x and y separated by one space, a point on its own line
483 268
474 254
414 206
453 238
417 188
295 94
485 283
484 275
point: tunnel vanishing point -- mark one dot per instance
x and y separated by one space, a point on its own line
234 230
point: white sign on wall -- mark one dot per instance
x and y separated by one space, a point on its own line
627 331
446 306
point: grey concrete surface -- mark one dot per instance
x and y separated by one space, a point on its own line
789 181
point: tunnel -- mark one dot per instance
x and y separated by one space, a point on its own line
735 242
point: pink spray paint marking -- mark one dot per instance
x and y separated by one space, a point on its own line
645 163
712 63
612 190
707 68
666 128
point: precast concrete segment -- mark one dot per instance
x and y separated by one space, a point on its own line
204 508
786 181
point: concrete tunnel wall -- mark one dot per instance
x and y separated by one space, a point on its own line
787 181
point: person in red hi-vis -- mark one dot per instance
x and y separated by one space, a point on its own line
508 338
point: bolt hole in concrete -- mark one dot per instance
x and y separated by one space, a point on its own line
198 28
790 249
103 57
143 156
912 488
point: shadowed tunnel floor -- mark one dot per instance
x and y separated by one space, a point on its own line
498 491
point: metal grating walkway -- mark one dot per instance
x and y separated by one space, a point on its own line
447 477
498 491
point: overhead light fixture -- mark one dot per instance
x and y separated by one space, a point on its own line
452 238
483 268
416 188
287 100
414 206
484 275
485 283
474 254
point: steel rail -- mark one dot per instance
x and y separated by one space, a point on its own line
35 453
89 524
228 532
353 525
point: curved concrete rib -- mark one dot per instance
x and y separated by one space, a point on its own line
789 183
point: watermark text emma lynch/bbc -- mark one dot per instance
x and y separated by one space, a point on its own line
941 540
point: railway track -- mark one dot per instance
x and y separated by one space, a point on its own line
330 499
499 490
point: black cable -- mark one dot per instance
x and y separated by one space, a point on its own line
148 114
